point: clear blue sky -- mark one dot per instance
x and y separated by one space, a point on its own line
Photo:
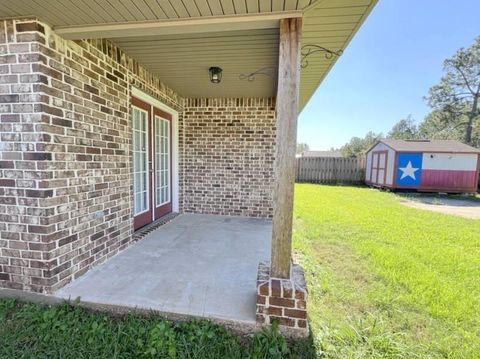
393 60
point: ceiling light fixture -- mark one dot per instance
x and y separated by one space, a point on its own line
215 74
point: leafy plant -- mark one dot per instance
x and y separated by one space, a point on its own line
68 331
161 341
270 344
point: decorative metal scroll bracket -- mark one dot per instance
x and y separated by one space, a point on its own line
311 49
266 71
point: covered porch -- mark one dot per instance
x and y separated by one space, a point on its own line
196 265
174 107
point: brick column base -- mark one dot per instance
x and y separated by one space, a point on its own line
282 300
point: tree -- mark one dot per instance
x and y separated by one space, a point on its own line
455 100
448 125
405 129
357 146
302 147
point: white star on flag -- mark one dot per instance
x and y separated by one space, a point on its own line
408 171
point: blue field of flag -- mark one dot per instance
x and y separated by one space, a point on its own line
409 169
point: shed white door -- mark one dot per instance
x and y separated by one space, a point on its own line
379 167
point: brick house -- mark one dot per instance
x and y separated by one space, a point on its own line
112 117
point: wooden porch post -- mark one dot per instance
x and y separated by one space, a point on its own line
287 110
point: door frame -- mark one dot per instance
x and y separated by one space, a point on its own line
153 102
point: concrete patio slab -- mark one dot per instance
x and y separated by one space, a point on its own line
200 265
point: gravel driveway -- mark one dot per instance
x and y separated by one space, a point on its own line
464 207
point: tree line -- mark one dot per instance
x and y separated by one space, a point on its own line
454 104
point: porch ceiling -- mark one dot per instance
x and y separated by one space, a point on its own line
86 12
180 40
182 61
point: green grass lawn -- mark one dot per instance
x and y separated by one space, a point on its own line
385 280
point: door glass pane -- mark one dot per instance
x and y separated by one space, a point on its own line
136 140
134 119
144 199
162 161
140 173
137 202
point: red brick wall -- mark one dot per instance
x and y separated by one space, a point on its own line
228 156
65 154
65 176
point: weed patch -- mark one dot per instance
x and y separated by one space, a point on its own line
68 331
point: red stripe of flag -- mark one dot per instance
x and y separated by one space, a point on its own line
448 179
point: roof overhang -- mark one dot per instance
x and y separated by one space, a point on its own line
331 24
176 26
179 41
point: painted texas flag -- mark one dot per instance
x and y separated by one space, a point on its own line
442 170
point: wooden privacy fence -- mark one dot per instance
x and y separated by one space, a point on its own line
330 170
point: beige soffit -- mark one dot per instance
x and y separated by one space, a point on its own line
182 61
179 40
88 12
330 24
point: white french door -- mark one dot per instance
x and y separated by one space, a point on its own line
163 162
151 143
140 160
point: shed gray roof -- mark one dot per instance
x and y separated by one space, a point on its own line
450 146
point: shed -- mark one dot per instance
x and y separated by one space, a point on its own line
423 165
